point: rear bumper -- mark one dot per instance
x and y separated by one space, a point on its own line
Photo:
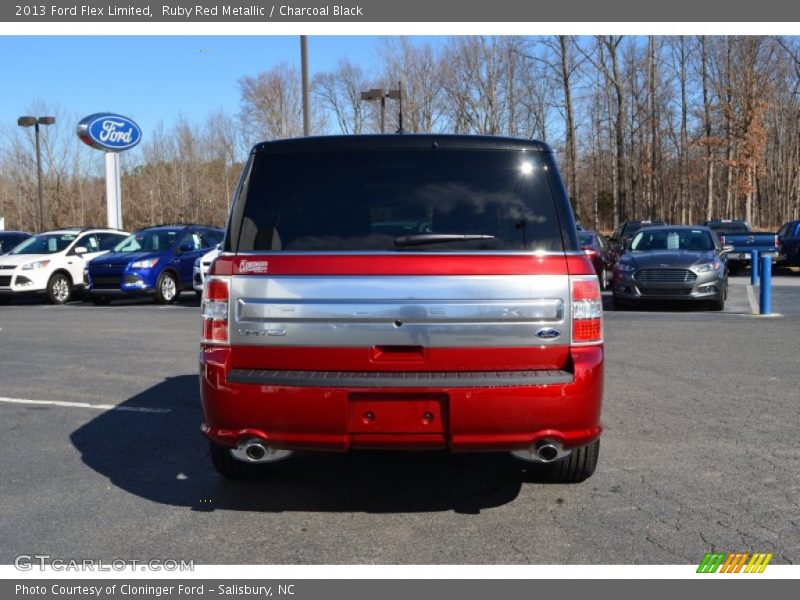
118 293
502 417
745 256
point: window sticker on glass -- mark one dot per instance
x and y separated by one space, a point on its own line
673 241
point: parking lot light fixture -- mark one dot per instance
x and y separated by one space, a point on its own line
381 94
377 94
29 121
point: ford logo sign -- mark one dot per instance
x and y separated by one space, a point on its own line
109 132
547 333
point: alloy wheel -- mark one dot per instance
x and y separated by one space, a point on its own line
168 288
61 290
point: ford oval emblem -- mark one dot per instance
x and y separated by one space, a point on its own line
548 333
109 132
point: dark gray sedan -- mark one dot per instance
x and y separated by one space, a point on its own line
683 263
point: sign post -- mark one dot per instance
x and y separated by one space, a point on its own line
113 134
113 191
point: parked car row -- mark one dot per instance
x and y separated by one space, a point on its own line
627 229
157 262
11 239
107 263
201 267
659 262
743 240
600 252
52 263
164 261
650 260
789 244
672 262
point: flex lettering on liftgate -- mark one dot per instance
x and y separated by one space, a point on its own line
734 562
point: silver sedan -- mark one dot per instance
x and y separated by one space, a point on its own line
684 263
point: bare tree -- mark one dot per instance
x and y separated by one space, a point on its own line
339 92
682 128
607 61
420 71
708 141
271 99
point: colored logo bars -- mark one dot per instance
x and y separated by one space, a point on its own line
734 562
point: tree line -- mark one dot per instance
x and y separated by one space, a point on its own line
681 128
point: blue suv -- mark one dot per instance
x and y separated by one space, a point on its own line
156 261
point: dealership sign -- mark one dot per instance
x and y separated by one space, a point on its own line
112 134
109 132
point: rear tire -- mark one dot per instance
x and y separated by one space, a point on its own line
198 295
59 289
575 468
226 465
166 288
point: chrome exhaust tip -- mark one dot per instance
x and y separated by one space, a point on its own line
544 451
257 451
547 452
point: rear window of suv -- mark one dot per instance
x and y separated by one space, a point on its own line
729 228
633 226
378 200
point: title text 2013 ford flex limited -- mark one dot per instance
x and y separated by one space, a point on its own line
402 292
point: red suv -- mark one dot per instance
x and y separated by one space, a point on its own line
402 292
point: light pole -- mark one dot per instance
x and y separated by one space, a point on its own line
28 121
381 94
304 71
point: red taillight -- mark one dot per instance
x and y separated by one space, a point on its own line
215 310
590 330
585 289
587 311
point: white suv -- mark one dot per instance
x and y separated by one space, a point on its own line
52 262
201 267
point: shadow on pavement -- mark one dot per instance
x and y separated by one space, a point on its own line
163 457
185 300
661 306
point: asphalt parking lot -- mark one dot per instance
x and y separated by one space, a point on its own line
700 453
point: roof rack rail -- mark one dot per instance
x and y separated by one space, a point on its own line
178 225
82 228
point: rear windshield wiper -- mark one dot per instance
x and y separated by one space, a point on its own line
438 238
